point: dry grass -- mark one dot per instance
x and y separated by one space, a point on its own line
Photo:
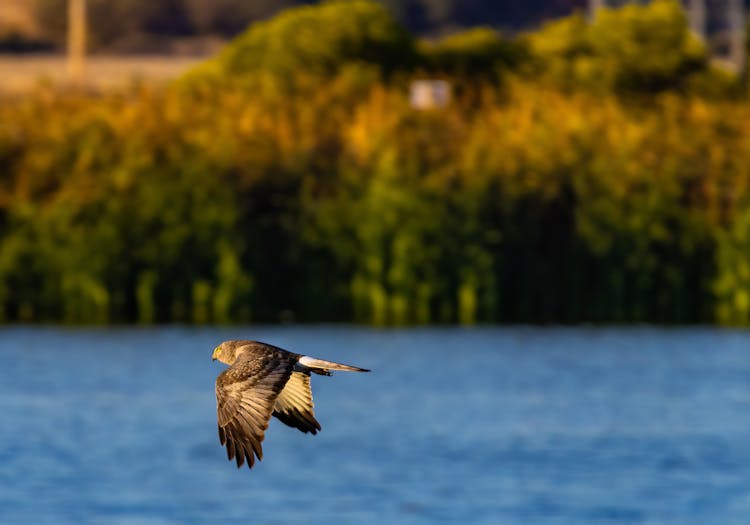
21 73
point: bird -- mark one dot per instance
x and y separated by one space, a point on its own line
264 380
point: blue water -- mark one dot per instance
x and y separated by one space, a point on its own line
475 426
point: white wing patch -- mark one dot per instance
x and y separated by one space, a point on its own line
294 405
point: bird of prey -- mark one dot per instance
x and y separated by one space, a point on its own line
264 380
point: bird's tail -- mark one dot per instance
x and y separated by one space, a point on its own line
320 366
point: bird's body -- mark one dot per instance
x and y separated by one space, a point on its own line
264 380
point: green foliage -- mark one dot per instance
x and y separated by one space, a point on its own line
319 41
649 47
545 201
478 52
732 284
139 215
635 48
564 51
224 207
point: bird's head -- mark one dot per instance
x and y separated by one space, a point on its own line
226 352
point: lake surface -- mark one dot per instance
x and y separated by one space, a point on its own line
476 426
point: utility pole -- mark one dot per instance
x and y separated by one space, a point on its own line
77 41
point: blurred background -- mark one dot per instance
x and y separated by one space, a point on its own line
531 219
383 164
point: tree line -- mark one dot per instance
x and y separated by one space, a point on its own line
567 181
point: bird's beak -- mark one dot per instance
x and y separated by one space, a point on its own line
216 351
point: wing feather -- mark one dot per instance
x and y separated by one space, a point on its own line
294 405
245 397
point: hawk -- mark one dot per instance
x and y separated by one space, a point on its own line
264 380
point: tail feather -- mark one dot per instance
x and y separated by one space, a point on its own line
320 364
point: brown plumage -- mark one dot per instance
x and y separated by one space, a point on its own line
264 380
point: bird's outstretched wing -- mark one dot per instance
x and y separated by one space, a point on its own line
245 397
294 406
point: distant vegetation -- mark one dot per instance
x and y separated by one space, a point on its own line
569 180
164 25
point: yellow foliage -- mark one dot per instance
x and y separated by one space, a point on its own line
534 201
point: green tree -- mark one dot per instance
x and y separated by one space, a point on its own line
319 40
478 53
634 48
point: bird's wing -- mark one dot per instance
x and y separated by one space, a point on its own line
294 406
245 397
